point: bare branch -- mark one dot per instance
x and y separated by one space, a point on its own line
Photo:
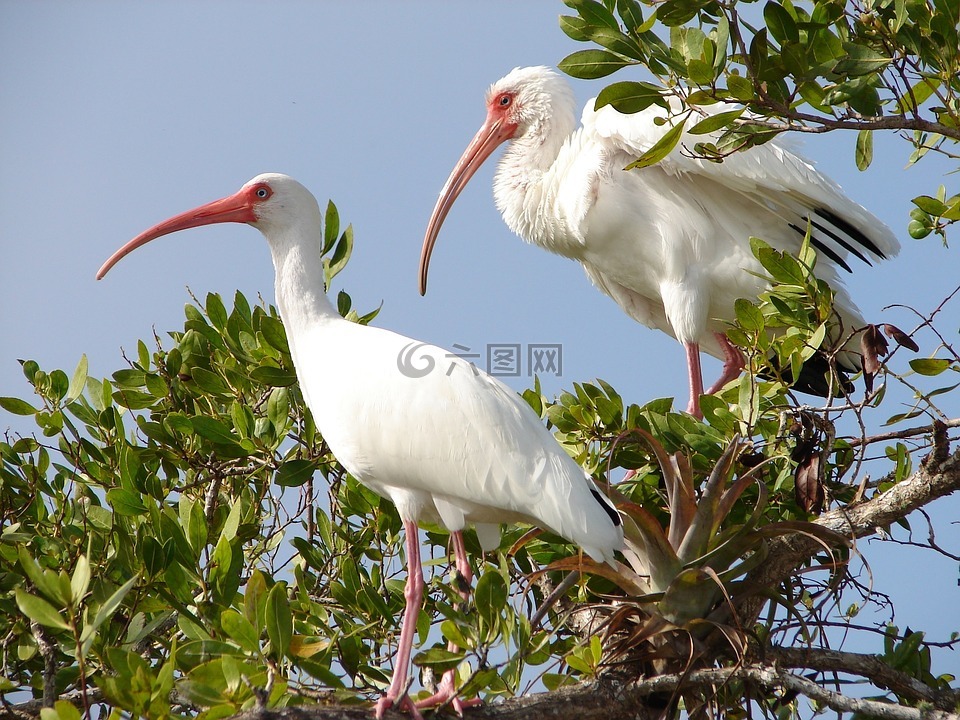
933 479
867 666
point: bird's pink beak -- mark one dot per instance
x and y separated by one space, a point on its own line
495 130
235 208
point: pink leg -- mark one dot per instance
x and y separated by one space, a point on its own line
733 363
447 689
413 593
695 375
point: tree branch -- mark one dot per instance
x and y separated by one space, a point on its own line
938 475
610 697
867 666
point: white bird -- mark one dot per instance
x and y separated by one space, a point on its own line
669 242
416 424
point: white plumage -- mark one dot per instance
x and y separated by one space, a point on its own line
670 242
452 445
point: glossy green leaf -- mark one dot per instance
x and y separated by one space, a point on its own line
112 603
39 610
780 23
860 60
273 376
279 619
929 366
274 333
80 580
440 659
213 429
126 502
864 152
712 123
240 630
17 406
630 97
660 149
78 382
295 473
490 596
592 64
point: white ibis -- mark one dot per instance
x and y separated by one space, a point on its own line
669 242
452 445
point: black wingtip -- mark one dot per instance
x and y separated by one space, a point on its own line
855 233
607 507
814 376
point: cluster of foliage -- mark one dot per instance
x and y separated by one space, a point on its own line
165 549
887 65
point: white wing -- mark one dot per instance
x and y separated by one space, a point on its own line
772 175
427 429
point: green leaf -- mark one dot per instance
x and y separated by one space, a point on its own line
17 406
341 254
712 123
440 659
331 227
575 28
274 333
918 95
156 555
490 597
240 630
295 473
212 429
592 64
740 87
126 502
660 149
112 603
273 376
210 382
930 205
232 524
780 23
860 60
864 153
39 610
80 580
225 568
78 382
216 311
61 710
630 97
594 13
929 366
44 580
279 619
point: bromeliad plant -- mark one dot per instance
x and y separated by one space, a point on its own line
701 501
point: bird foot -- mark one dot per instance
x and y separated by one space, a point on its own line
446 692
405 704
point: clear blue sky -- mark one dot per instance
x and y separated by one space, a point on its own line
118 115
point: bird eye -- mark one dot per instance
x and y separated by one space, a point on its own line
504 100
263 192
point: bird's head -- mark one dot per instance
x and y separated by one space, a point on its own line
271 202
526 98
525 103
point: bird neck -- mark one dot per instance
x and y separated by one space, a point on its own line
527 182
300 286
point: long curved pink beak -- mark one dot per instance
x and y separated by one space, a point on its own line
494 131
235 208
